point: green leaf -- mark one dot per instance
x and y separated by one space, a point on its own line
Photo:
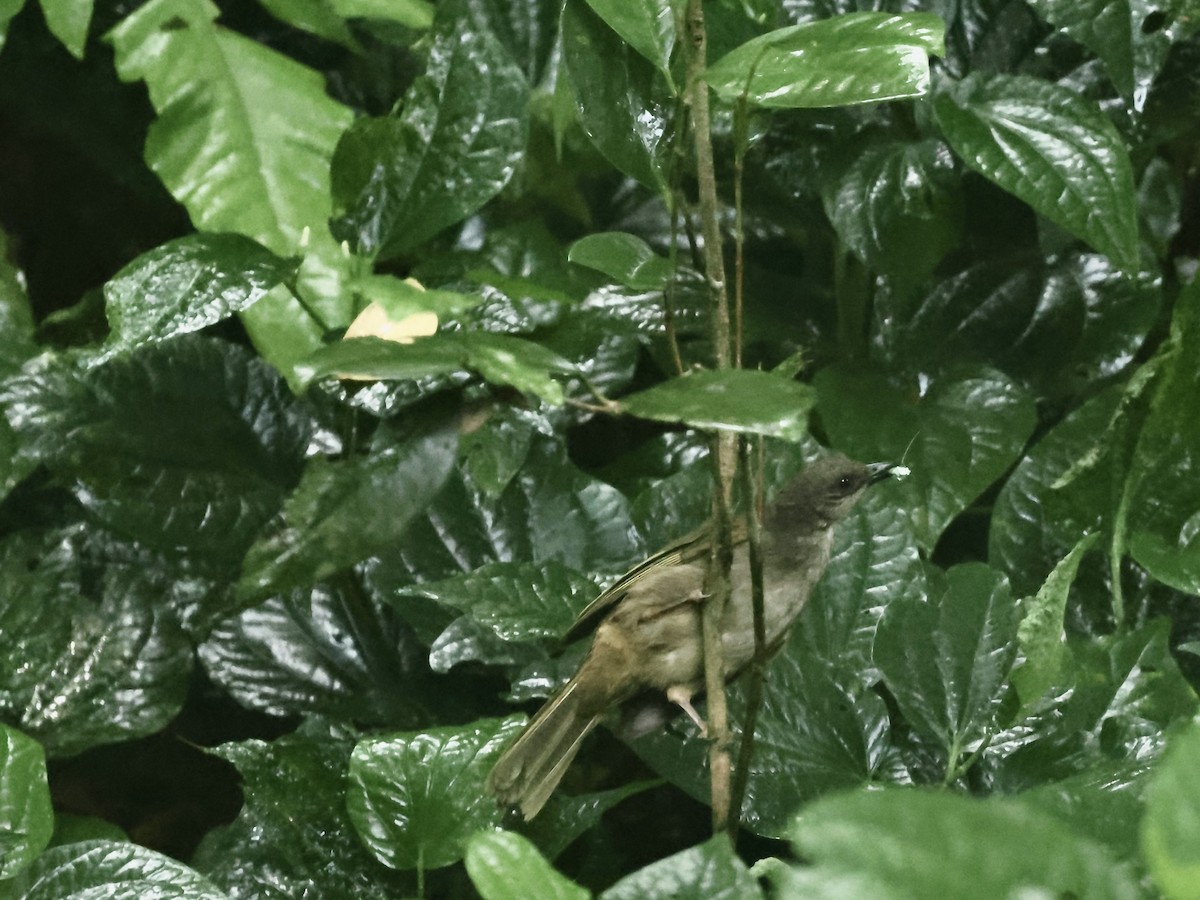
188 284
625 258
243 140
947 660
399 180
622 102
895 205
958 434
1033 526
498 358
89 654
735 400
505 866
1051 148
293 836
328 650
26 817
1163 494
113 870
187 446
416 798
346 510
516 601
708 871
317 17
1171 829
1041 635
862 57
911 843
648 26
1115 32
68 20
8 9
411 13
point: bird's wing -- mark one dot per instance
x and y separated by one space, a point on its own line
695 545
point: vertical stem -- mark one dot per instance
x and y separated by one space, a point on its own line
724 445
752 477
740 137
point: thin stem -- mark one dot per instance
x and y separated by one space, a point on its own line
724 445
752 480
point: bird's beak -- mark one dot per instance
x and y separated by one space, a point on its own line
880 471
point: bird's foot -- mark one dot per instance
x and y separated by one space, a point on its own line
682 697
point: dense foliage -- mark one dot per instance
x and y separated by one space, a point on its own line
340 354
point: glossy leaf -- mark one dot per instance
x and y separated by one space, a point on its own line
516 601
88 655
1052 149
1170 830
344 511
328 650
895 205
68 20
958 435
113 870
625 258
621 102
910 843
1034 525
416 798
1040 634
736 400
862 57
243 140
1116 32
499 358
399 180
708 871
1163 497
188 284
505 866
293 836
186 446
648 26
947 660
26 817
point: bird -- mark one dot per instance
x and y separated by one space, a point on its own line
646 643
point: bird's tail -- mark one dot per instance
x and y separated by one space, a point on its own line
530 769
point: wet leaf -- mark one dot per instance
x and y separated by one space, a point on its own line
505 866
26 816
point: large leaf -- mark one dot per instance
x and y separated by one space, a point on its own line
243 140
68 20
861 57
399 180
88 654
1171 829
735 400
708 871
1164 489
344 511
947 660
910 843
329 650
417 798
623 257
621 100
648 26
894 204
505 866
1051 148
188 284
499 358
26 817
958 434
113 870
1120 33
293 837
186 446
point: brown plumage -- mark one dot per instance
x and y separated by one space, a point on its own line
647 625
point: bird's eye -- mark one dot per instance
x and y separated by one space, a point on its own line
844 481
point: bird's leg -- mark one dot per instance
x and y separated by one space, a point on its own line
682 697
